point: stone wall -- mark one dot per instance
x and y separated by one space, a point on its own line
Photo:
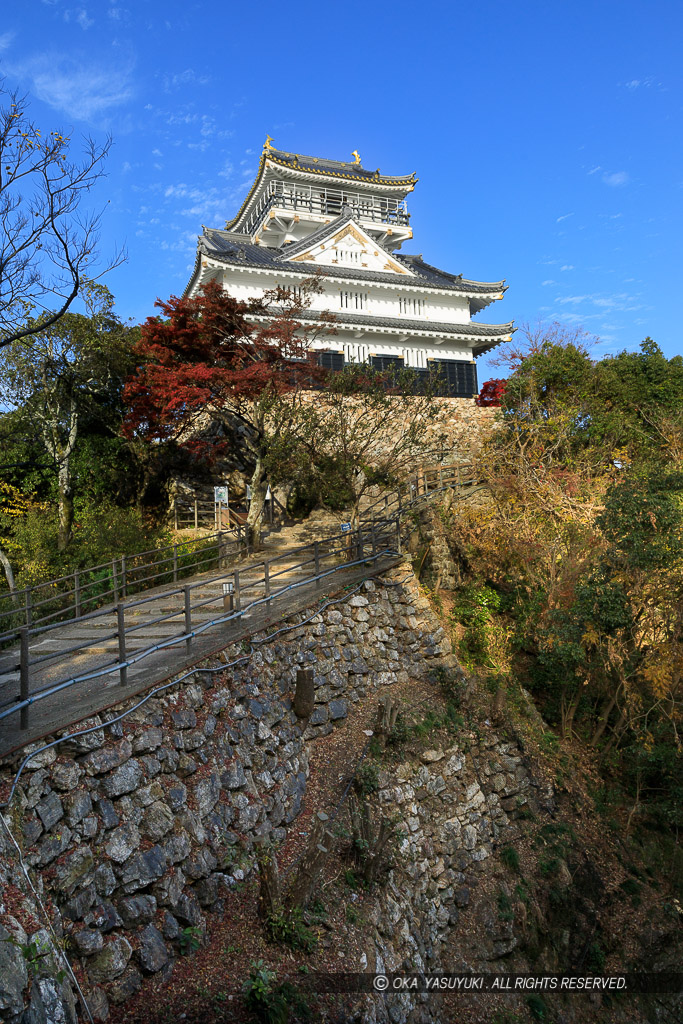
139 828
458 806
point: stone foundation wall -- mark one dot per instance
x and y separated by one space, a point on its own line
138 829
457 807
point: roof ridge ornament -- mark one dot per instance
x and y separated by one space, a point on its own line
268 144
356 154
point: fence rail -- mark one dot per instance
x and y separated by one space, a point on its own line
377 535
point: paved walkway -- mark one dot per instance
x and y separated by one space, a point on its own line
90 645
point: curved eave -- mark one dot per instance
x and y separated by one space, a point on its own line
303 271
267 159
484 336
407 181
257 181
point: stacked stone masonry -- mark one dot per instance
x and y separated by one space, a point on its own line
138 829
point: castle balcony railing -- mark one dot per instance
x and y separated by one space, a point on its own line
326 201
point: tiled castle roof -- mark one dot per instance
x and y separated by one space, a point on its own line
232 248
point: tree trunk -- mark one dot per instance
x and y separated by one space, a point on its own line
259 489
568 712
66 505
270 899
320 846
9 575
603 719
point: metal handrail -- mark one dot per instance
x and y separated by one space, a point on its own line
124 571
376 532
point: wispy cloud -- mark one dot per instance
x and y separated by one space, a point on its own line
549 281
616 179
567 266
80 16
649 82
565 216
82 89
594 170
6 39
187 77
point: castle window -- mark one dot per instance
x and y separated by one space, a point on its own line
415 307
347 255
353 300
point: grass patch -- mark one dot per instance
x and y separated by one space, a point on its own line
510 858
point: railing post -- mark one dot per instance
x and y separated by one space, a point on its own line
196 513
175 563
27 606
77 593
175 513
238 601
123 576
266 579
374 539
360 543
23 675
316 555
441 477
114 580
121 630
188 616
398 535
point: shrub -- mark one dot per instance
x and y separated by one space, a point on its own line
189 940
290 930
367 778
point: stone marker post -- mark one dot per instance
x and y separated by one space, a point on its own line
304 695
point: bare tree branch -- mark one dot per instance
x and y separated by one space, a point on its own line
47 243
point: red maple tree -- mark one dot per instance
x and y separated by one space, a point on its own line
491 393
207 355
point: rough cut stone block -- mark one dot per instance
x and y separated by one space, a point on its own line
88 941
152 952
137 910
122 842
111 961
124 780
108 758
50 810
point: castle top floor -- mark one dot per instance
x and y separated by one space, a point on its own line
294 195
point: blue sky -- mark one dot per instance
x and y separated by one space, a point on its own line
546 135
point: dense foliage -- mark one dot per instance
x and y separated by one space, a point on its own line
583 545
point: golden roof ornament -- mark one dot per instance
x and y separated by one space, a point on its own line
355 154
267 145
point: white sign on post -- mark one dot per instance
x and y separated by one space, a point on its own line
345 527
220 494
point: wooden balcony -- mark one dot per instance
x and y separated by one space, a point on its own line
329 202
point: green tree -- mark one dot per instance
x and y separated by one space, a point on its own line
66 370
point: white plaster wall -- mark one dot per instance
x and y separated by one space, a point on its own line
382 299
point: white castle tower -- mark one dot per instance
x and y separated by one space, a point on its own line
349 223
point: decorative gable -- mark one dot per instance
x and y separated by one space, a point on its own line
350 247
